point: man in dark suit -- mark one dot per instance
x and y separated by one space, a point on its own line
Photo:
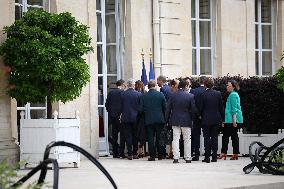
196 129
129 113
180 110
212 113
113 106
166 90
164 87
153 105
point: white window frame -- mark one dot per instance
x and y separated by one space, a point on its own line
197 47
260 50
25 5
103 141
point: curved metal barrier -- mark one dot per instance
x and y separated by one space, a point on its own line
46 161
265 163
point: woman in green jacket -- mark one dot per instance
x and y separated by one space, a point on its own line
233 120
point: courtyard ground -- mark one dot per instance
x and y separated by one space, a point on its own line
142 174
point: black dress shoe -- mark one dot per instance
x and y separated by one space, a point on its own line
151 159
122 156
129 157
160 157
116 156
195 158
187 161
214 160
175 161
206 160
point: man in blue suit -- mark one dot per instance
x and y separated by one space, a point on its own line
129 114
165 89
113 106
212 113
180 111
196 129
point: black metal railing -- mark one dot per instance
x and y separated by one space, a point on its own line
265 162
42 167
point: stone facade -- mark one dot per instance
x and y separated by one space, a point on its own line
86 104
234 49
8 149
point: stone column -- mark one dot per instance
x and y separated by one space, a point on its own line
280 33
156 37
138 36
235 38
85 12
8 148
175 38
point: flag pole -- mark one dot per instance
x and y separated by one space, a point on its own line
151 72
142 54
143 75
151 54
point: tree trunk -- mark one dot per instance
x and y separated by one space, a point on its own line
49 108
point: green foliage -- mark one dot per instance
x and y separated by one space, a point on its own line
44 53
261 101
8 176
280 77
278 157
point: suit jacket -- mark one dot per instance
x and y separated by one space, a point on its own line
130 105
165 89
197 92
180 109
113 102
153 105
212 110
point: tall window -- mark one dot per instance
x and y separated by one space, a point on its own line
263 37
22 6
108 57
201 24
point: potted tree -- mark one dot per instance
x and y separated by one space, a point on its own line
280 76
43 57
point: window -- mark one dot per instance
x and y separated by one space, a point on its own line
201 24
108 57
22 6
263 37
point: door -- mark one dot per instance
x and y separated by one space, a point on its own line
108 57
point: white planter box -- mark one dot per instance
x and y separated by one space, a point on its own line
35 134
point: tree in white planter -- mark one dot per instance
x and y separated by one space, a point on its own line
43 57
280 76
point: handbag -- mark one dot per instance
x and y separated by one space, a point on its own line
166 136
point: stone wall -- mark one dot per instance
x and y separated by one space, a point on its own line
280 34
138 36
8 149
175 37
85 12
237 38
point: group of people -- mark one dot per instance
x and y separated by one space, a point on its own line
140 115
